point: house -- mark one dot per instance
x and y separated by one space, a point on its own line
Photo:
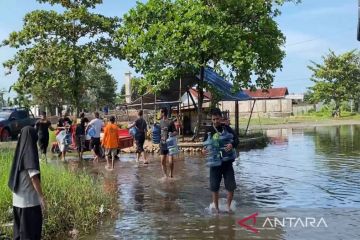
266 103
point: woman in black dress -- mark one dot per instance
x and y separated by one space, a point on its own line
42 126
24 182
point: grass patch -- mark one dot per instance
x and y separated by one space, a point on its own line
74 199
321 116
52 137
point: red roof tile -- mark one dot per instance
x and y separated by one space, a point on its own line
269 93
194 92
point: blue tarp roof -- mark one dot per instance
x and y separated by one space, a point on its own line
224 87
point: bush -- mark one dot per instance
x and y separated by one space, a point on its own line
74 200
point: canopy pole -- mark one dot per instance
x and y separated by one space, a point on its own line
192 99
252 109
236 118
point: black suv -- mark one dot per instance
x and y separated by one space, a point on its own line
12 120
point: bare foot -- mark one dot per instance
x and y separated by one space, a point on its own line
229 210
216 211
109 168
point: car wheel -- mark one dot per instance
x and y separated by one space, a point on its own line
5 135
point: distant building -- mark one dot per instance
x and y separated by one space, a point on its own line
272 93
268 103
274 102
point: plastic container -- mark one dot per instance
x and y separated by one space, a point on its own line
133 131
213 152
67 139
156 133
61 136
225 139
172 146
91 132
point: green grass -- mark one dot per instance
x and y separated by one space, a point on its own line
52 137
73 199
310 117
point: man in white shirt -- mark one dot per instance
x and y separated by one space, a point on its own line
97 124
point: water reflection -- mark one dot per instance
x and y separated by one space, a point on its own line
304 172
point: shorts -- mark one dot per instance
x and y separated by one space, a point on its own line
225 170
80 142
95 145
140 140
163 149
111 151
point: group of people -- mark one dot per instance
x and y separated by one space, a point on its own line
64 128
217 173
25 181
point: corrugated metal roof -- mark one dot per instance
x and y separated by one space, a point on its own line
224 87
268 94
172 93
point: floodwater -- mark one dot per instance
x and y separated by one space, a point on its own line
305 185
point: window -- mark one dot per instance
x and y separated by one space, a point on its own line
22 114
14 115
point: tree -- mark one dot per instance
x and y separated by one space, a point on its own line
55 47
163 39
138 88
337 79
308 97
102 88
120 98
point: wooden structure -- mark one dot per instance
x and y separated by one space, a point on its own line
172 96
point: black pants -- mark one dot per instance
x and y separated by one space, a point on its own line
43 143
95 145
140 140
27 223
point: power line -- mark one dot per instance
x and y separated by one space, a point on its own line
318 38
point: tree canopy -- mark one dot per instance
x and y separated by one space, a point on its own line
101 88
336 79
54 49
163 39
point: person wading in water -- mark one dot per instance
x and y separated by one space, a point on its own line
42 126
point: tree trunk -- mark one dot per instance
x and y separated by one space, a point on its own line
76 85
336 112
356 106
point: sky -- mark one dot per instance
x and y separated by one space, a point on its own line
312 28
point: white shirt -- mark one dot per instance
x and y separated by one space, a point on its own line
97 124
26 195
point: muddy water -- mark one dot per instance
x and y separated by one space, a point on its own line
305 185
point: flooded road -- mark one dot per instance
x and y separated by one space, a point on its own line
305 185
